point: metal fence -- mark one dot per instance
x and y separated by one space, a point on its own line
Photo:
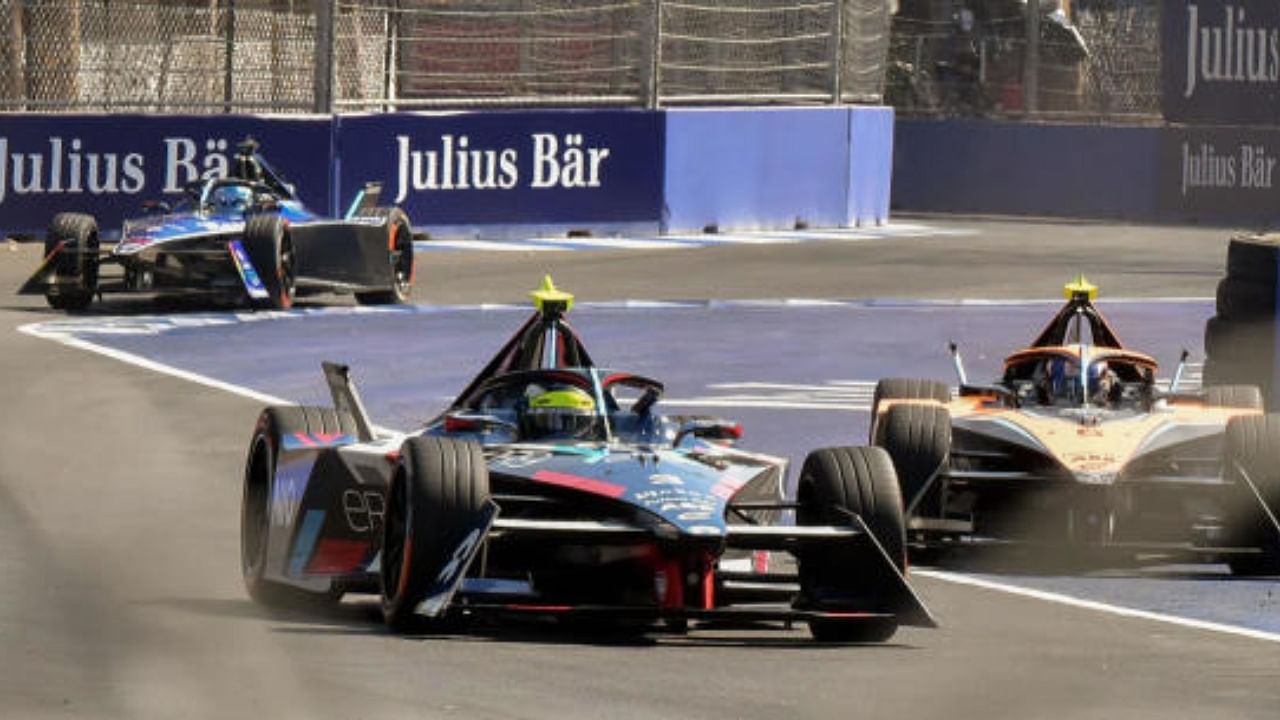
992 58
317 55
1074 59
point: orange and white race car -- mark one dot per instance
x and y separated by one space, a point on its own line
1075 445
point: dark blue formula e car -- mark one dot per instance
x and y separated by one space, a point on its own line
552 487
246 236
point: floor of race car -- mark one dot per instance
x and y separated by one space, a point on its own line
798 374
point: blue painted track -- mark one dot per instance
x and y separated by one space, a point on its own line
799 375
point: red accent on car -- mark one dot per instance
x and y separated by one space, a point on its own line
392 456
326 438
760 561
454 424
708 583
305 439
335 557
577 482
674 577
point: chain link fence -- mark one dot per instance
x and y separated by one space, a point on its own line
1090 59
317 55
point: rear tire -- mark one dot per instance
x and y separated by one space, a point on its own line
438 489
1253 442
401 272
78 234
255 510
1243 300
270 248
906 389
918 438
833 483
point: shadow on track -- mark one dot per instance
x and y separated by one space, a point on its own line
363 618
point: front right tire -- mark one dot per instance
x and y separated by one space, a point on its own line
835 482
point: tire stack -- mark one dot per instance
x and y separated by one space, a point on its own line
1240 341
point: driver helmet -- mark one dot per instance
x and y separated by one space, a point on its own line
561 413
1100 382
1064 379
231 199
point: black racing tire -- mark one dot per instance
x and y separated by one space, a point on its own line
1254 258
401 270
1245 300
78 234
905 389
1245 397
273 424
1253 442
438 489
918 439
833 483
1220 371
270 248
1240 341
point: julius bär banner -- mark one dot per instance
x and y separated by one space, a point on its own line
1221 62
542 166
1221 173
108 165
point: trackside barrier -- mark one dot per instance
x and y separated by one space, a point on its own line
974 166
476 173
774 169
1220 175
108 165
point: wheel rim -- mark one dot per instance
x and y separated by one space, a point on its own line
402 262
394 536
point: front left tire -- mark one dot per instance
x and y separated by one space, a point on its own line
274 423
270 248
439 488
77 233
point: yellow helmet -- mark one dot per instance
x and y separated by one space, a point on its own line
560 413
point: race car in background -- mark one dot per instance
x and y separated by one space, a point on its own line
246 236
553 487
1075 446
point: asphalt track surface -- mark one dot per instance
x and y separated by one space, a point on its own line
120 593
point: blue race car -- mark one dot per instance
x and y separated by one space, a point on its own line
552 487
246 236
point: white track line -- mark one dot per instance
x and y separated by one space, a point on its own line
1099 606
148 364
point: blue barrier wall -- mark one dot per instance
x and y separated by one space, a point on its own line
974 166
773 168
488 173
755 169
108 164
870 162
